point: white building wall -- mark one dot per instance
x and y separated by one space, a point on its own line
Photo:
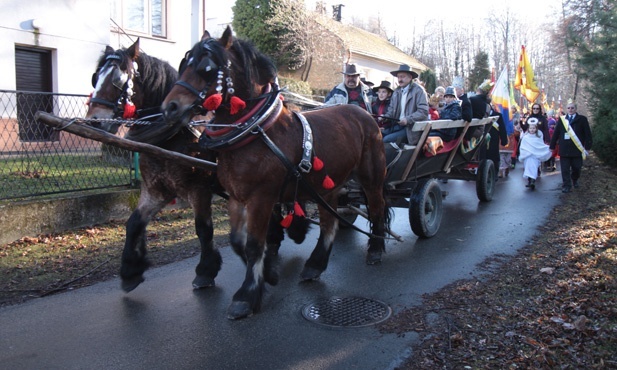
76 32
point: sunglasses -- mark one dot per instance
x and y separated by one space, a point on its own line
535 108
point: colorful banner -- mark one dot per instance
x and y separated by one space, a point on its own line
501 100
524 80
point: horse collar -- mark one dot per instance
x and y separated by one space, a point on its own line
237 134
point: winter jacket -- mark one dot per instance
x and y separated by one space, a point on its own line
567 148
339 95
416 109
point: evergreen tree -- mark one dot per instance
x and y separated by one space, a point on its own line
279 29
592 30
250 22
480 70
430 80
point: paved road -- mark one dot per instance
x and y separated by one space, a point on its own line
164 324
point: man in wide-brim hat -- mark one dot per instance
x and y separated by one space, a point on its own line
409 104
351 90
405 69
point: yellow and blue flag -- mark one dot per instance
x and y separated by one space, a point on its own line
501 100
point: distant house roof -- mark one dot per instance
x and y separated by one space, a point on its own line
359 41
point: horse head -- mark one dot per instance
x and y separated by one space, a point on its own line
223 75
116 89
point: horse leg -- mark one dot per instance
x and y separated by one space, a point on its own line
371 175
238 240
318 261
378 213
274 238
210 260
134 261
247 300
237 223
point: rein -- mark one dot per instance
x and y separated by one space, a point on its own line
296 172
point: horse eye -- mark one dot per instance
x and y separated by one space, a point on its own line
119 79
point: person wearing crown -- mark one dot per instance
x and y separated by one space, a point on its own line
533 151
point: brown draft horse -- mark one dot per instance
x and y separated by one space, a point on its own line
132 84
222 74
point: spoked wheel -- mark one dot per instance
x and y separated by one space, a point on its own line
485 182
425 208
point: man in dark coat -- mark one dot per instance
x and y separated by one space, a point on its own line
574 144
481 108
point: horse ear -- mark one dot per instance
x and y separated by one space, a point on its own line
109 50
227 39
133 51
205 36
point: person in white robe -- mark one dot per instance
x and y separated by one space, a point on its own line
533 152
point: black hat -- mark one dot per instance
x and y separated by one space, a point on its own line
350 69
404 68
384 85
367 83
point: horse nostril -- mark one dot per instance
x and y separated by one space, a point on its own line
171 110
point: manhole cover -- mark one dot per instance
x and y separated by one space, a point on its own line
349 312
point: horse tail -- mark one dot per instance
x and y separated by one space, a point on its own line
388 211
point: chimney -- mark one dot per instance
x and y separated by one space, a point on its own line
336 12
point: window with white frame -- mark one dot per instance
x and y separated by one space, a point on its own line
140 16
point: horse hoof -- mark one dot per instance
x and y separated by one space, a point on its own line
373 258
309 273
239 310
132 283
202 282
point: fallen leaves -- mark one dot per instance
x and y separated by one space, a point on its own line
553 305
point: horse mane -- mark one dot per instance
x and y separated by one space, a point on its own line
264 71
156 76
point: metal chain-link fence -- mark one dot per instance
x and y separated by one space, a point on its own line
38 160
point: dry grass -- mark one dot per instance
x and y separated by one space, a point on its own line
37 266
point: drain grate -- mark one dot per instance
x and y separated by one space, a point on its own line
348 312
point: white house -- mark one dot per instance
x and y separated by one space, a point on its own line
53 45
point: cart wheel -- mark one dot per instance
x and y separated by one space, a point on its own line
425 209
485 180
349 217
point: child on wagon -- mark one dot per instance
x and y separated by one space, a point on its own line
533 152
451 110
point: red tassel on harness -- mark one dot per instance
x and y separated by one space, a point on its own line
213 102
317 164
286 222
298 210
327 183
89 98
237 105
129 111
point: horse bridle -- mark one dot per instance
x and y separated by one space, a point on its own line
125 86
209 70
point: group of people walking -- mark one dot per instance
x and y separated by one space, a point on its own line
541 138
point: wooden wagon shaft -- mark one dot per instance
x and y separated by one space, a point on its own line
107 138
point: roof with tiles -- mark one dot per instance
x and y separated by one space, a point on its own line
369 44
